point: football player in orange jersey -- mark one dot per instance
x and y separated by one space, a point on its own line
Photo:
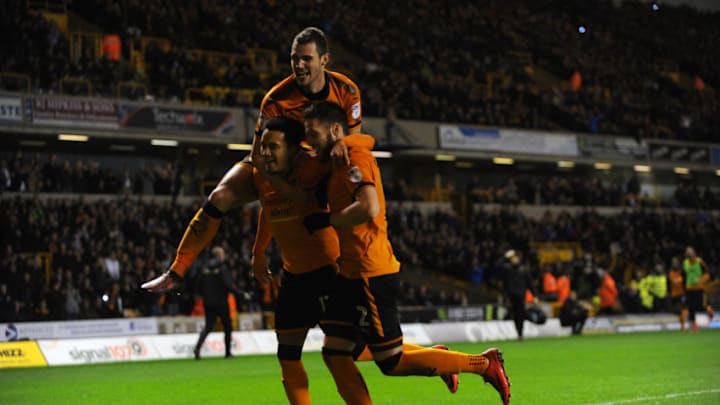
366 297
286 183
309 83
285 176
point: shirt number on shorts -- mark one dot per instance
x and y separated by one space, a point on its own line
363 321
323 302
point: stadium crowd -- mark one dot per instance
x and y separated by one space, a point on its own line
631 71
54 173
536 71
28 172
100 251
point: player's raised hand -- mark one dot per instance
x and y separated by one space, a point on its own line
168 281
339 154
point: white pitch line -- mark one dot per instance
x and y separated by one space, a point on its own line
666 396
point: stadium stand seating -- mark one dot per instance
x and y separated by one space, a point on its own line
77 240
641 73
98 230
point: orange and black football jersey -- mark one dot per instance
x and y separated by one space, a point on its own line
365 248
301 251
287 100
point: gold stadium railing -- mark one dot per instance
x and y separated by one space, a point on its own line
130 90
51 6
218 95
14 82
264 60
554 252
41 260
80 87
84 45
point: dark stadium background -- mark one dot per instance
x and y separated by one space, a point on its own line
647 95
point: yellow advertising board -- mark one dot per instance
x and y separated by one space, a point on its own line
24 353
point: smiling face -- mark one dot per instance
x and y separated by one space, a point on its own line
275 152
308 66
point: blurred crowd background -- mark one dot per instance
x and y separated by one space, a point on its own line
105 224
605 66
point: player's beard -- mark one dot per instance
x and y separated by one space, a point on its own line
272 167
323 152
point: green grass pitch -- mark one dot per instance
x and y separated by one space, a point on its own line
642 368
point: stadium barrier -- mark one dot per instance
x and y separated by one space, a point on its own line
41 352
78 329
21 354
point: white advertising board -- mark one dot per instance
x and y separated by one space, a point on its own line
78 329
181 346
10 109
507 140
105 350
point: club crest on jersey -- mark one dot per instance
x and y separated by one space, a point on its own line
355 175
355 110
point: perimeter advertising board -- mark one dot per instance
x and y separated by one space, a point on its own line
72 112
21 354
10 109
149 117
507 140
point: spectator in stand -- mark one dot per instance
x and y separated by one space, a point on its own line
630 294
72 301
647 300
550 287
658 288
608 293
563 286
8 311
112 266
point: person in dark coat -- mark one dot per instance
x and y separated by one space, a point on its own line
516 281
573 314
213 284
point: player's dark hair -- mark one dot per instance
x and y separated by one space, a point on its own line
293 129
327 112
312 34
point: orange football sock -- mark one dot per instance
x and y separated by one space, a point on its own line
433 362
295 381
366 354
408 347
198 234
348 379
